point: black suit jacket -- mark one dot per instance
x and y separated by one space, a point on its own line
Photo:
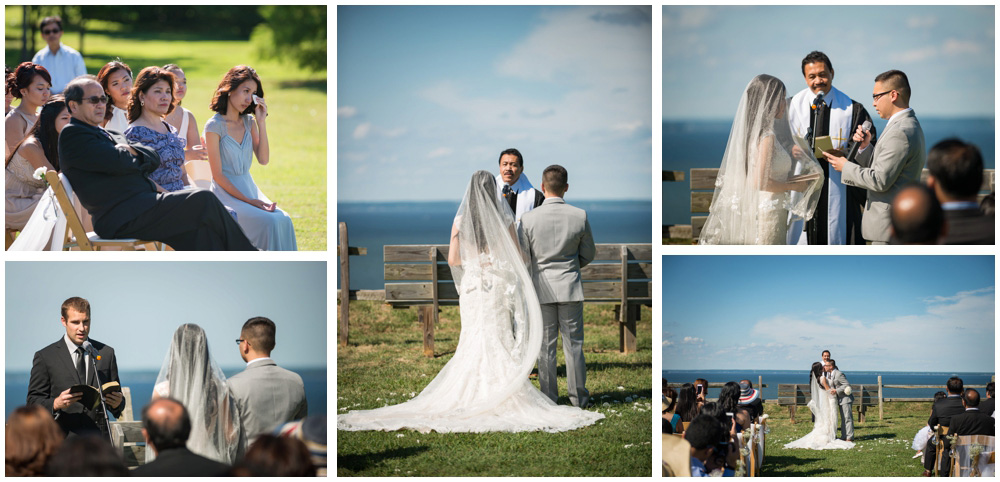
986 405
112 184
972 422
181 462
969 226
53 371
944 409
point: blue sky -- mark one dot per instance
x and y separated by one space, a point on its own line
710 53
897 313
136 306
428 95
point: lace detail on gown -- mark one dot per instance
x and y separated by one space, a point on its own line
772 217
463 396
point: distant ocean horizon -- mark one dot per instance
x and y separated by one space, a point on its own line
140 383
772 378
375 224
701 144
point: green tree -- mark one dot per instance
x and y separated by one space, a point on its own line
296 33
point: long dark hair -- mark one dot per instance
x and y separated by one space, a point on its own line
670 393
45 131
687 403
764 91
729 397
816 372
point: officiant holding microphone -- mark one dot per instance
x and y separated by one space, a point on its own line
70 362
819 111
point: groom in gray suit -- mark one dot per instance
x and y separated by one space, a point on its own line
844 401
266 394
895 161
560 243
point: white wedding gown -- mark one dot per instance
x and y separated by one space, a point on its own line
482 387
824 433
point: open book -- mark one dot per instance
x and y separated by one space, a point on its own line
91 398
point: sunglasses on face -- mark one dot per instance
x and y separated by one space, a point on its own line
96 99
50 31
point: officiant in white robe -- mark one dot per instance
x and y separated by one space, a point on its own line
838 215
523 197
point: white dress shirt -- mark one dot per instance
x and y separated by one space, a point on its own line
76 356
64 65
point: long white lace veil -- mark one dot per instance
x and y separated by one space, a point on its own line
488 240
760 132
196 381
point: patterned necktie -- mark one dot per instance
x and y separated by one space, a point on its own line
81 364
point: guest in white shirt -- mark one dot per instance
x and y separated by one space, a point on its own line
64 63
116 79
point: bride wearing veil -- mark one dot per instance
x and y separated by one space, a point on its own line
485 386
763 177
190 376
824 407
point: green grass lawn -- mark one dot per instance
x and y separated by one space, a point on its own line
384 364
296 176
882 447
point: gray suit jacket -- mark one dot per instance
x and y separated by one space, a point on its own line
560 243
839 384
267 395
895 161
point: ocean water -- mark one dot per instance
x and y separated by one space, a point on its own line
374 225
773 377
701 144
141 385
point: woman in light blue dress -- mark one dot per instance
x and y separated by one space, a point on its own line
233 136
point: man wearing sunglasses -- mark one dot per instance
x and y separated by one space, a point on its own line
111 178
63 63
894 162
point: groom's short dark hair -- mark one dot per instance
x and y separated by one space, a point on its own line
259 331
512 152
955 385
555 178
833 363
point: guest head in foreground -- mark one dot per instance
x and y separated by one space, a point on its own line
970 398
86 100
166 425
31 436
955 386
891 93
917 217
273 456
236 91
956 170
703 434
115 78
86 456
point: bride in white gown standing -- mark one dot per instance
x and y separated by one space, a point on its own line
824 407
763 176
485 386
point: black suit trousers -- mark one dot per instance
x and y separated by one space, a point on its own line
188 221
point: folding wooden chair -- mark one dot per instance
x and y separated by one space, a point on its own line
961 461
76 236
941 433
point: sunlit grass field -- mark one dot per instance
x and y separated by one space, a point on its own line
296 176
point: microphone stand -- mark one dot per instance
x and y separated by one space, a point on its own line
100 395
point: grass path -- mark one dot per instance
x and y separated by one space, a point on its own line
384 365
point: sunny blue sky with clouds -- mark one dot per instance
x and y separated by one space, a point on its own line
710 53
428 95
136 306
897 313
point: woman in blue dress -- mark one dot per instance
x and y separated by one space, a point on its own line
233 136
149 102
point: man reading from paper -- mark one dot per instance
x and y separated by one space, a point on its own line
838 215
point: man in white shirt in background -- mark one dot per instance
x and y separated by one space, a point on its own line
63 63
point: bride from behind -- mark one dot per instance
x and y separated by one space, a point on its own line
485 386
824 407
763 176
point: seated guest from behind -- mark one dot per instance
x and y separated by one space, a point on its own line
956 173
274 456
941 414
31 83
166 427
150 101
973 421
86 456
986 406
182 119
234 135
31 437
669 412
750 400
116 79
687 403
39 149
110 178
703 434
917 217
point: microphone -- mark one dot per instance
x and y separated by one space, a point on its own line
867 127
819 100
89 348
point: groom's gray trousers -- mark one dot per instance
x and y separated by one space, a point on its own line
565 319
846 421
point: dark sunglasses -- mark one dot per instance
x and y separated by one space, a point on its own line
51 31
96 99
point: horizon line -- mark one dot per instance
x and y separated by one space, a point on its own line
929 116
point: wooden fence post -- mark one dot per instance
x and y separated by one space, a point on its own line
760 385
426 317
345 285
880 410
627 315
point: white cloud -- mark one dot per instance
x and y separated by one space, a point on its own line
955 47
362 130
439 152
949 47
926 21
917 55
667 343
390 133
692 340
346 112
686 17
